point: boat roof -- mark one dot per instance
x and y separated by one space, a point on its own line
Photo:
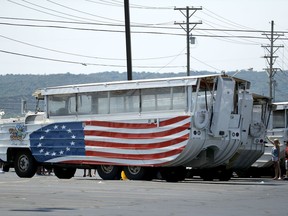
280 105
258 96
130 84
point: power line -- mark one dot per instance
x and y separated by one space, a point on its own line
90 29
238 30
101 23
51 14
66 14
160 26
142 26
119 3
211 35
204 63
79 63
80 55
136 6
44 58
243 41
136 32
172 60
223 19
78 18
83 12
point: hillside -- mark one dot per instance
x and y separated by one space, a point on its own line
13 88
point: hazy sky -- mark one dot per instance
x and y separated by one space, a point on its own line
90 35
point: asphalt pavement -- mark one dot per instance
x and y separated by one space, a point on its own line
48 195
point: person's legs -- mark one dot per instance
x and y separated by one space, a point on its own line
279 170
276 170
286 168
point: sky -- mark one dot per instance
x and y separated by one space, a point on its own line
88 36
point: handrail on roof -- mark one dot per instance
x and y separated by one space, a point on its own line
121 85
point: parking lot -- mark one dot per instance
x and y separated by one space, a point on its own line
48 195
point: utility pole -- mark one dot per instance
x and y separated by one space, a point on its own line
271 58
128 40
188 28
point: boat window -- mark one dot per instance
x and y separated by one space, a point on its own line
84 104
118 101
124 101
61 105
279 119
156 99
100 103
179 100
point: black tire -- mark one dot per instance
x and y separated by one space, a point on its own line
25 164
64 172
109 172
243 173
174 174
5 167
225 175
206 176
139 173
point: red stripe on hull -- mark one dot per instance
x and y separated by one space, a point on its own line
172 121
137 146
135 125
136 136
135 157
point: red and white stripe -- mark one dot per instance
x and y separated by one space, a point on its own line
120 143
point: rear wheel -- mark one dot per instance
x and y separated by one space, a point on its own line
225 175
64 172
174 174
25 165
139 173
207 175
109 172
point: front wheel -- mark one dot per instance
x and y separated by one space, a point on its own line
25 165
64 172
6 167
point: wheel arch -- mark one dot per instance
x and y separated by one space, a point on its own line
13 151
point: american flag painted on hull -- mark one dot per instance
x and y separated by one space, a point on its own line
103 142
